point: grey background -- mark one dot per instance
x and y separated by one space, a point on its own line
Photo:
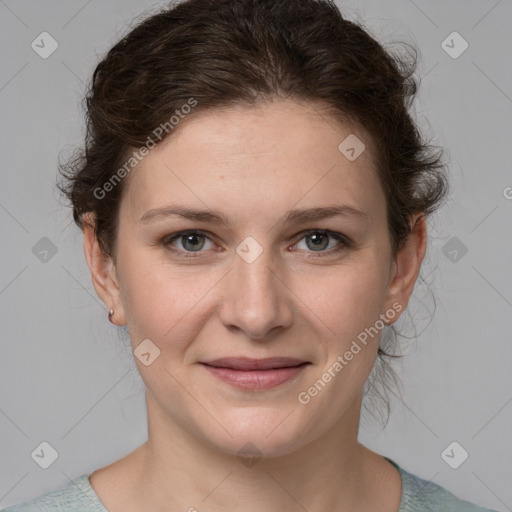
68 379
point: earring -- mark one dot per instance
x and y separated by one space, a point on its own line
110 315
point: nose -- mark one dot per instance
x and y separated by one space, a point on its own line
257 300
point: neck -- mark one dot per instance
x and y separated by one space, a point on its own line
180 471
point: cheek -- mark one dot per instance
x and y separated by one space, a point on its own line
164 304
351 308
344 301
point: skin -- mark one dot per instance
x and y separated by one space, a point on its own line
253 165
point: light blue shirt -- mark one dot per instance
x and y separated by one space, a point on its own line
418 495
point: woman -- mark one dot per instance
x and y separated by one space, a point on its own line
253 195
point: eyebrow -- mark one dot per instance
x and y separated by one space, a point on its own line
293 216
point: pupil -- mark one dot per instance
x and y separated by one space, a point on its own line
192 239
317 240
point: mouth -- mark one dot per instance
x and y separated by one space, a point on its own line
255 374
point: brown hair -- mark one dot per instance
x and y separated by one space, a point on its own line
240 52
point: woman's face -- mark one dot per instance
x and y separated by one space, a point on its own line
261 283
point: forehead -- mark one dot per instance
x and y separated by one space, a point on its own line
273 154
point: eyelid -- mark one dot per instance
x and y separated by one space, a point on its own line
333 234
167 240
344 241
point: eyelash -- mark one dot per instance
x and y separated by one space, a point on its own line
344 242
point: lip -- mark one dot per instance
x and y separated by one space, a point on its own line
255 374
248 363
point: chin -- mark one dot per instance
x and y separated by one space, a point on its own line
258 446
261 432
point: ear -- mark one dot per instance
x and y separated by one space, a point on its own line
103 271
407 264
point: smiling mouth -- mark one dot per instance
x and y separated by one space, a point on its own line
255 374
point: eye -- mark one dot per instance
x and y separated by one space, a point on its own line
319 241
190 241
323 241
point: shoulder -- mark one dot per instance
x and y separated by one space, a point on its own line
77 495
420 495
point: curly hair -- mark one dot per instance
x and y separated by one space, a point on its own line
223 53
